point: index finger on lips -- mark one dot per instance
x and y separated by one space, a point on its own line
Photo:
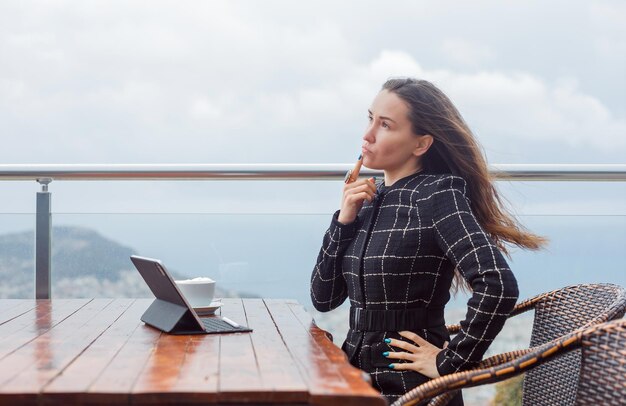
357 167
353 174
402 344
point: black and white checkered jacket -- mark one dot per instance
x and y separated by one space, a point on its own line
400 253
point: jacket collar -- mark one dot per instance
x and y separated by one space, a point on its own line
382 189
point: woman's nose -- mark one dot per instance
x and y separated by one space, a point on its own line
369 135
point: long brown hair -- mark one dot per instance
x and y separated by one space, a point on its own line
456 151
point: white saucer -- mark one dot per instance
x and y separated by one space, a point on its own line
208 310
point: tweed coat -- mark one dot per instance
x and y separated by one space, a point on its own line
401 253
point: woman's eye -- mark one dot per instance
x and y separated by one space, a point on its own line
369 118
385 125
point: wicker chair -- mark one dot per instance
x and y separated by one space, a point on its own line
602 374
561 313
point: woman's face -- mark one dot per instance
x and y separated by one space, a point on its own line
389 141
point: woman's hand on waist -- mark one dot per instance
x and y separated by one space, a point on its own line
421 357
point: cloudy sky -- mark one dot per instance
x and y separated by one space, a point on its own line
290 82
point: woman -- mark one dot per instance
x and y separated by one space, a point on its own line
397 247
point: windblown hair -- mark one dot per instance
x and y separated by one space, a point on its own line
456 151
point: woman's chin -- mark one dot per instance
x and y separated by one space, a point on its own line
369 163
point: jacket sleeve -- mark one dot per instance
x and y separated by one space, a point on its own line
328 286
480 262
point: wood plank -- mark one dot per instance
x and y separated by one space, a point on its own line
77 377
21 330
12 308
113 385
54 351
305 350
166 370
352 374
327 383
198 376
9 303
51 329
279 373
15 312
239 379
161 371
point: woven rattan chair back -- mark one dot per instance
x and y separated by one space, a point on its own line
558 313
602 378
603 370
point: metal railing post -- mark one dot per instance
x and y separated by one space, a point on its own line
43 239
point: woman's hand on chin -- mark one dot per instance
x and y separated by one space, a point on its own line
421 357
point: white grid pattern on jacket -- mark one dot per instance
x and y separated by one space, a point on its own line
401 252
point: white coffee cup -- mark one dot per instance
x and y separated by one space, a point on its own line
199 292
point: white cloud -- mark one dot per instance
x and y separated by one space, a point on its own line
520 105
203 108
467 53
197 82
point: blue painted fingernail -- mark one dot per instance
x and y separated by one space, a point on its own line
360 156
391 366
386 353
387 340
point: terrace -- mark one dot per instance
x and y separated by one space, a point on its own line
272 300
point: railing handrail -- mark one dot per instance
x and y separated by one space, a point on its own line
527 172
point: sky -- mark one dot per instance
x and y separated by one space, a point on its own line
291 82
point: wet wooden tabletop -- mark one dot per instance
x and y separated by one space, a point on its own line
97 351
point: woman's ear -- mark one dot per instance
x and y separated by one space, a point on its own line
423 143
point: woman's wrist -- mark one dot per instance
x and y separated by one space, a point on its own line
344 220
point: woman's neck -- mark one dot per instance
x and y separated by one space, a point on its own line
393 175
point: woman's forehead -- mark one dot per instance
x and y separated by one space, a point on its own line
388 104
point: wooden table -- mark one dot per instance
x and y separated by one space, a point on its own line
97 351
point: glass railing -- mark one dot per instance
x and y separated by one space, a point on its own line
268 255
17 263
249 255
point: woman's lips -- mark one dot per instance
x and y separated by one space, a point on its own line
365 150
